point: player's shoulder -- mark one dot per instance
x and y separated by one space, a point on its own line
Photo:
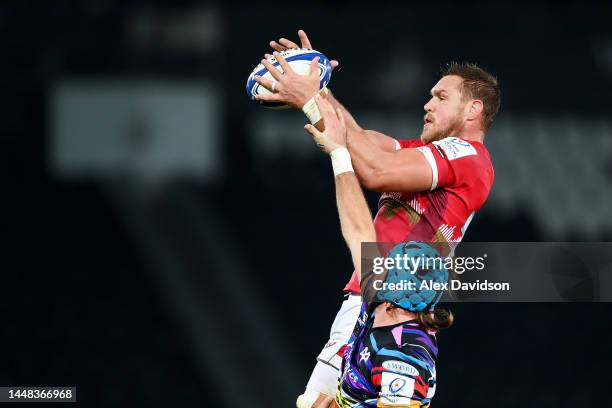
409 337
414 334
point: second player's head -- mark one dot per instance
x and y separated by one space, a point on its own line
465 100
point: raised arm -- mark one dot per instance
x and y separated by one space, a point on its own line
399 170
296 90
355 217
378 164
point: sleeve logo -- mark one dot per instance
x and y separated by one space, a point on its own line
455 148
396 389
365 355
397 385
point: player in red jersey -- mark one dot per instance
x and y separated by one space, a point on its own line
431 187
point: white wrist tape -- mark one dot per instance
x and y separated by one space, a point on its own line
311 111
310 108
341 161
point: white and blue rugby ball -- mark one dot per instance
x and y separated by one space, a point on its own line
299 60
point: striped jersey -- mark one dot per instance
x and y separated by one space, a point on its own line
388 366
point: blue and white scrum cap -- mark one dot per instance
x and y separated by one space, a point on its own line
425 269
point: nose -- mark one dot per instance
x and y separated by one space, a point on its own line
428 106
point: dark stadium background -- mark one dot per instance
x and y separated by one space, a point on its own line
216 285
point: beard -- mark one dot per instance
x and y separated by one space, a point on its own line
436 131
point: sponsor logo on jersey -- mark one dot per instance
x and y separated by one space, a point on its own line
400 367
455 148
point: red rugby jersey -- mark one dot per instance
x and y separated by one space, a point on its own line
462 178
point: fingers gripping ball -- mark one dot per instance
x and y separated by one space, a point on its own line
299 60
421 277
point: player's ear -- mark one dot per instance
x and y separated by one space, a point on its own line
474 109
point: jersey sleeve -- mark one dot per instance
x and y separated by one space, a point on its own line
405 144
403 378
451 160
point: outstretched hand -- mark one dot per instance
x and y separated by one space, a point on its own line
283 44
334 135
288 86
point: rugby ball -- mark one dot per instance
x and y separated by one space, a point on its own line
299 60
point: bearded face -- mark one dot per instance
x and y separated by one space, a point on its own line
436 128
444 111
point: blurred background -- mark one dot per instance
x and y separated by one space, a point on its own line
166 242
